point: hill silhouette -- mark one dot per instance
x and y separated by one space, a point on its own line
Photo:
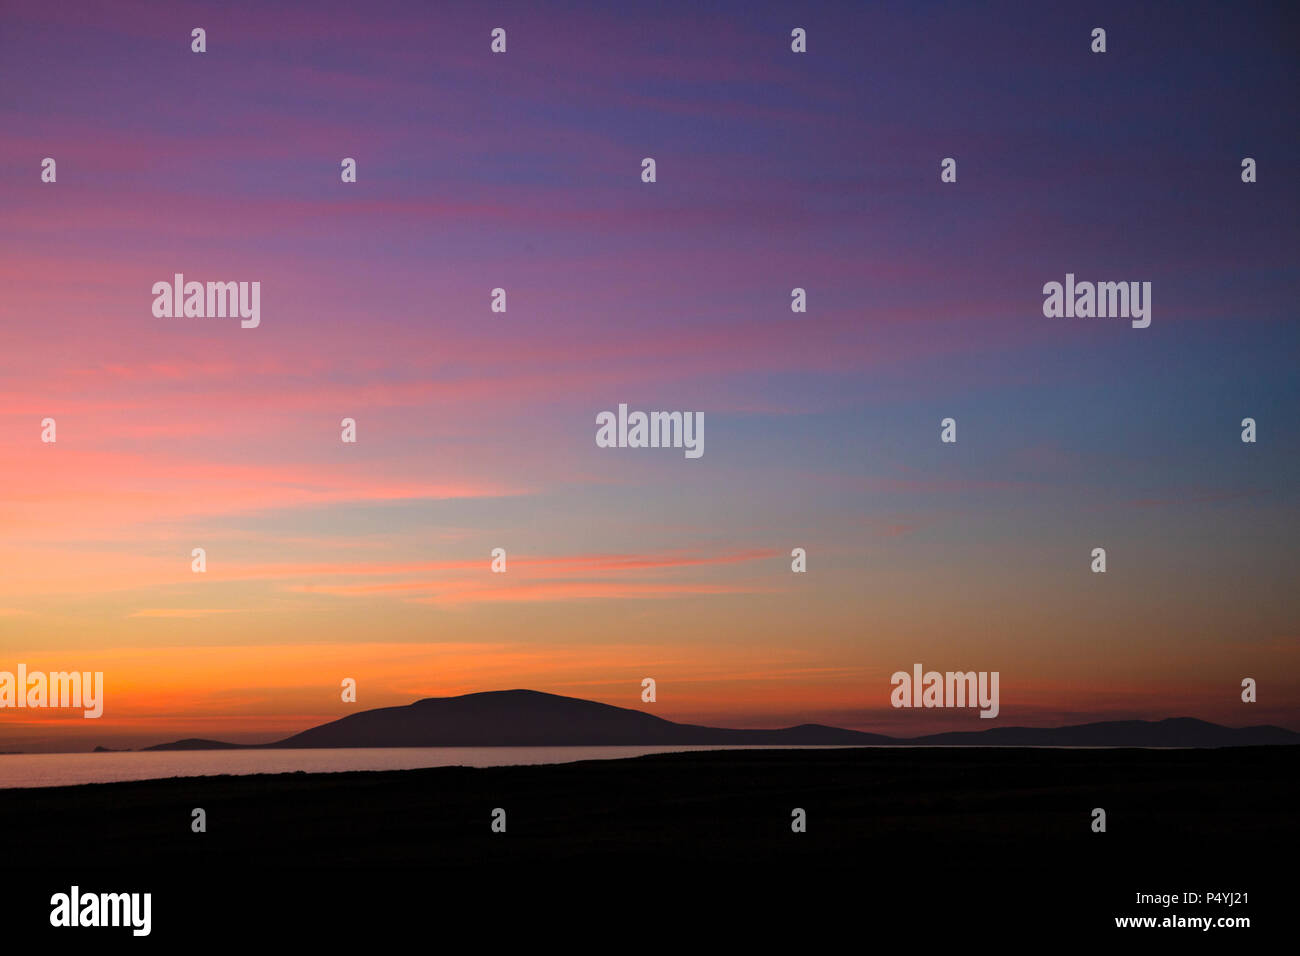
528 718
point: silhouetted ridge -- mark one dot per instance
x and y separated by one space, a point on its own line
529 718
197 743
1170 732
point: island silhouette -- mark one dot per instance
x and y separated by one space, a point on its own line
529 718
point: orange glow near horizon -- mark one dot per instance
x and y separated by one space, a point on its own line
476 430
258 694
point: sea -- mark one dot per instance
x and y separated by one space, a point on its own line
62 770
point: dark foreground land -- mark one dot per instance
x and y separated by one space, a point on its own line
924 838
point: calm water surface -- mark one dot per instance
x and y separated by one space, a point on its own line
60 770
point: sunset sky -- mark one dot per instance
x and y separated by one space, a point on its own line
476 430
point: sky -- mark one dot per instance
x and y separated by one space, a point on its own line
476 430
